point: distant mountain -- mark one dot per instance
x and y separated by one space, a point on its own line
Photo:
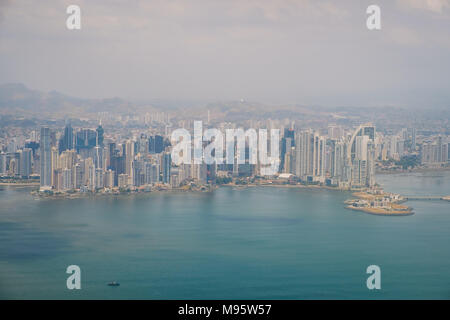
17 97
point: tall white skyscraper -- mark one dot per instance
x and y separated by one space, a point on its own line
25 162
129 157
319 156
304 153
361 156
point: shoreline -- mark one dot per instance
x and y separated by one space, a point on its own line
77 195
25 184
382 212
291 186
393 207
417 170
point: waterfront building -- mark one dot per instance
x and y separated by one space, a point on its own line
77 175
66 179
99 178
123 180
109 179
166 167
361 156
129 157
58 180
435 151
25 160
55 164
319 156
304 153
3 163
45 158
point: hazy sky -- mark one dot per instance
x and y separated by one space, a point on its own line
277 51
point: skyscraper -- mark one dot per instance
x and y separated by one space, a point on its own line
3 162
156 144
25 162
66 141
46 161
129 157
304 153
319 156
100 133
86 139
361 156
166 167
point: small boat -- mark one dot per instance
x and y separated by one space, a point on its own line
113 284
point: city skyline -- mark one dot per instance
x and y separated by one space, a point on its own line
224 149
79 158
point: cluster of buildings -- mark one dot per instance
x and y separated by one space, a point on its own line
435 151
18 163
83 161
395 146
86 160
336 158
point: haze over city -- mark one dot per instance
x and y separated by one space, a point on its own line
305 52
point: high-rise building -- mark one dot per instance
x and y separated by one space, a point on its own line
66 141
98 157
156 144
361 147
338 160
25 160
363 164
100 133
67 159
109 179
86 139
77 176
151 173
138 173
304 153
166 167
335 132
33 145
319 156
199 173
434 151
99 178
129 157
361 156
55 164
413 139
66 179
3 163
45 158
123 180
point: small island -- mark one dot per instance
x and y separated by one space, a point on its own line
378 202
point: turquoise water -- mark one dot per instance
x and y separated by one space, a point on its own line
255 243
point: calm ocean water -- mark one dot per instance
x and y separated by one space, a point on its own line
255 243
